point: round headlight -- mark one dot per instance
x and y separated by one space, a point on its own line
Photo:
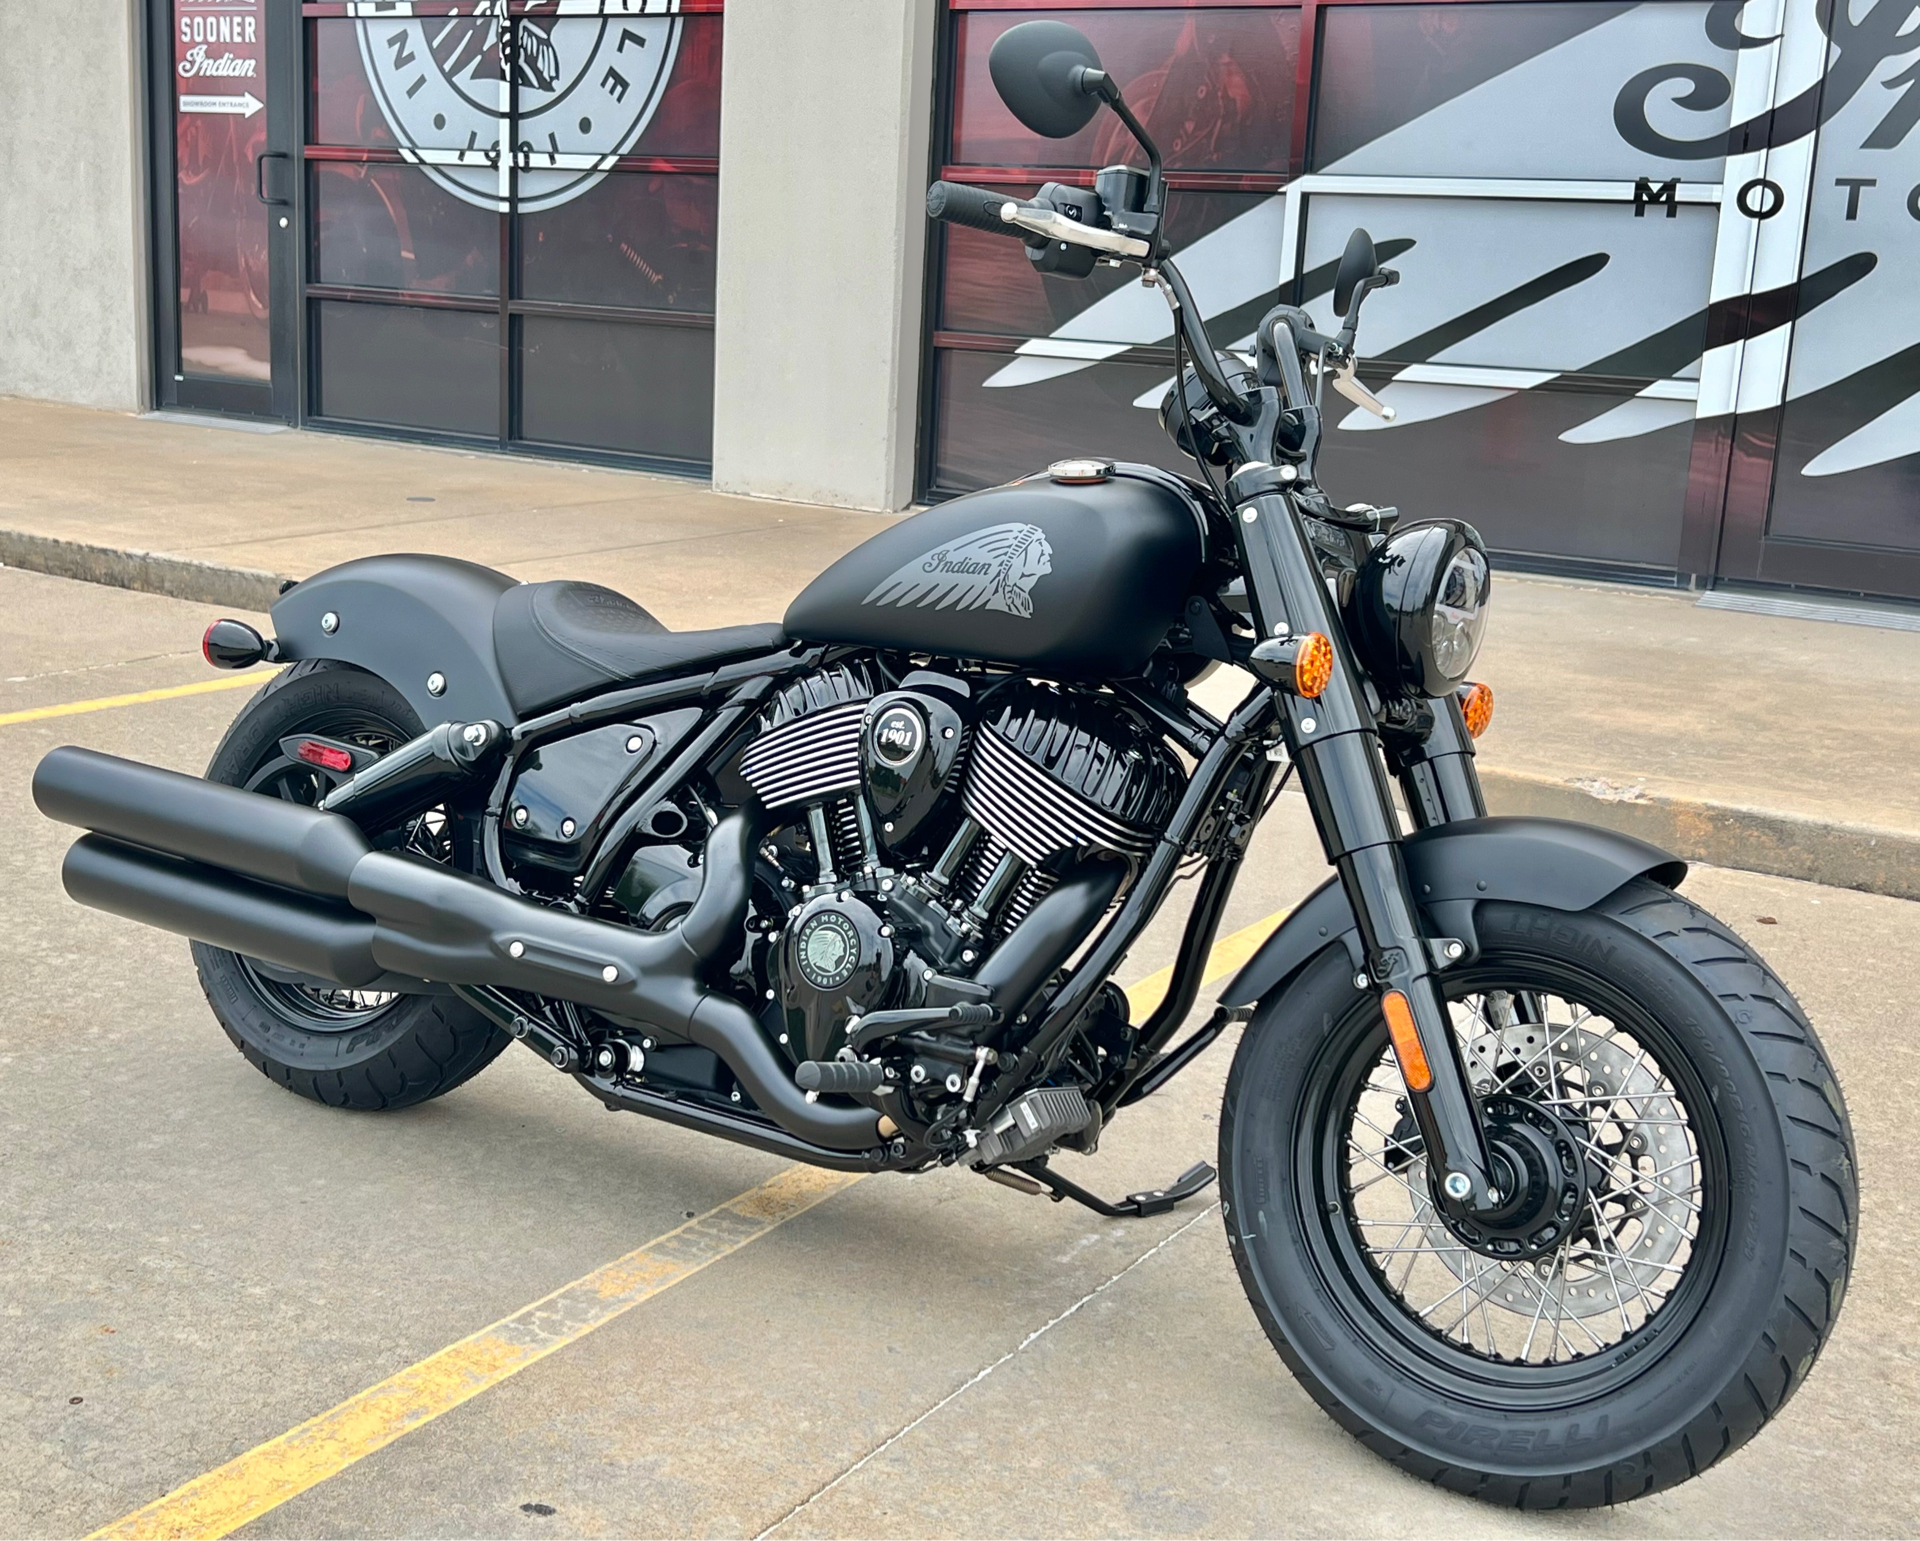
1460 613
1420 607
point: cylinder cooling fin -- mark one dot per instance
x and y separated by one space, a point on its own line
809 747
1054 772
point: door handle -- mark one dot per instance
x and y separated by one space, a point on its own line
260 179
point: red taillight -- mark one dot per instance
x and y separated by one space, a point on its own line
325 756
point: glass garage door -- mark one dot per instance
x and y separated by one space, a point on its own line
1652 321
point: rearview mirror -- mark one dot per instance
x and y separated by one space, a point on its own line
1357 264
1039 68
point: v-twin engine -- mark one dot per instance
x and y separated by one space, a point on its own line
926 822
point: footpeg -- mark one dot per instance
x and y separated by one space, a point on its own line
842 1077
1031 1125
1135 1206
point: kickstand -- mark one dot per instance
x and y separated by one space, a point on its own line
1155 1201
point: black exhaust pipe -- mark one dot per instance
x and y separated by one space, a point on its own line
432 923
261 837
445 925
186 897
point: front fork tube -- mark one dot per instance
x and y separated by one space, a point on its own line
1334 741
1437 775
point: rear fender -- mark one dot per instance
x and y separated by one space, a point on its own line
1455 868
405 618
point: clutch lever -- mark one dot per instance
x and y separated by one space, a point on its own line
1349 386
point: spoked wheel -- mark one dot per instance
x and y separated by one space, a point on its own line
1595 1143
1676 1221
345 1047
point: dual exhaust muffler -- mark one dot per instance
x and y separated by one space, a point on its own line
299 887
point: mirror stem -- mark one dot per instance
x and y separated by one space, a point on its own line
1156 179
1099 83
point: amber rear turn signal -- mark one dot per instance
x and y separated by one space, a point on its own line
1476 707
1406 1042
1312 665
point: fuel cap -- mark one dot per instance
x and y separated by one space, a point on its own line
1076 471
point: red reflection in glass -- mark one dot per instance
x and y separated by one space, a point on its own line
341 104
220 126
1214 88
685 122
388 227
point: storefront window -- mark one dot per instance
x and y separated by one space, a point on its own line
601 222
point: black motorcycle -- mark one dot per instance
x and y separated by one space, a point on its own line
1535 1175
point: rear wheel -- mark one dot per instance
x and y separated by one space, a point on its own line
1685 1161
347 1048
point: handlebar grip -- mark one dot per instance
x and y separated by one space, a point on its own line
979 207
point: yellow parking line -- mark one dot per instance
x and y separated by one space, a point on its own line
1229 955
138 698
267 1476
251 1485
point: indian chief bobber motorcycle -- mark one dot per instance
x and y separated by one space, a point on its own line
1536 1177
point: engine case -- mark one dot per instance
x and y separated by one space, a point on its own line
836 961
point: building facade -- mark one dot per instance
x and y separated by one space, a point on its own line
1656 317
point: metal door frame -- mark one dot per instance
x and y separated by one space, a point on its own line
171 389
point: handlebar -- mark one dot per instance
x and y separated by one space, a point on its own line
1026 218
977 207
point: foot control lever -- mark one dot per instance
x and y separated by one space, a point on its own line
1154 1201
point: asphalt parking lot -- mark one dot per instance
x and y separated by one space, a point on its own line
194 1263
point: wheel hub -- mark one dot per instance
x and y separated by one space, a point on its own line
1542 1182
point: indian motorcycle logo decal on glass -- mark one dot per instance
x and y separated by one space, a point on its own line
585 81
991 569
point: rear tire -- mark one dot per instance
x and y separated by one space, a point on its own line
344 1049
1723 1331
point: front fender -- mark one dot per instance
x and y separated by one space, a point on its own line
403 618
1453 868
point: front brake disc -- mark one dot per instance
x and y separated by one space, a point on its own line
1643 1169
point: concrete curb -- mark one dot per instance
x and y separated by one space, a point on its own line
177 577
1860 856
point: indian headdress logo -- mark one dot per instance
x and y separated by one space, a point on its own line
991 569
582 81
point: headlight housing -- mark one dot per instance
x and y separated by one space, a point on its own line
1420 607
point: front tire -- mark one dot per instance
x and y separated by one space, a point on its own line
1716 1207
345 1048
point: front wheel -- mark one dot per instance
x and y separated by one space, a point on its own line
1683 1237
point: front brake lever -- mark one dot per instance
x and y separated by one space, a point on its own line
1349 386
1057 227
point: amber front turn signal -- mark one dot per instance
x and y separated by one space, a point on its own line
1476 707
1406 1042
1312 665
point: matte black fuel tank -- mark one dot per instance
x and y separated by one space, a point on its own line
1070 578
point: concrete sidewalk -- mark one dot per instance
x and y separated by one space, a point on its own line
1777 745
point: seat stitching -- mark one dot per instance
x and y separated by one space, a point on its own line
566 647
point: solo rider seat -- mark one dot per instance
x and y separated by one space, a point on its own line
564 639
